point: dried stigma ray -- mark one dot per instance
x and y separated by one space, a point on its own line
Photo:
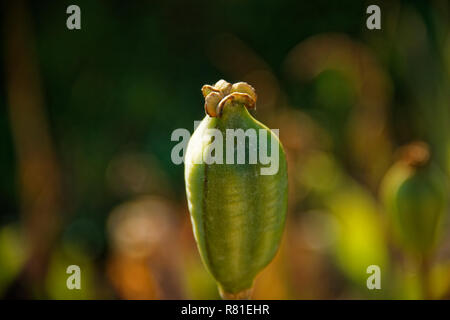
223 93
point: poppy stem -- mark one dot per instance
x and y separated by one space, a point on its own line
425 267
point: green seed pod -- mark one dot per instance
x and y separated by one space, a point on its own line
237 211
414 192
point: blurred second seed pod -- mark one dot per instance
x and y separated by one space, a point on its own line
415 195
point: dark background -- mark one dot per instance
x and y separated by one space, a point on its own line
86 117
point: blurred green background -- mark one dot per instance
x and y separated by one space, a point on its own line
86 118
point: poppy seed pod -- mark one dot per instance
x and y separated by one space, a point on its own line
414 192
237 211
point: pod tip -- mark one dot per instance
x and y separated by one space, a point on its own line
415 154
224 93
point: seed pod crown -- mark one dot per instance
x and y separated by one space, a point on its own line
224 93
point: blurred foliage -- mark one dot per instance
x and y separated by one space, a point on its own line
92 112
12 255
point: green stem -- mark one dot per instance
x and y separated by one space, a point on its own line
425 268
243 295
